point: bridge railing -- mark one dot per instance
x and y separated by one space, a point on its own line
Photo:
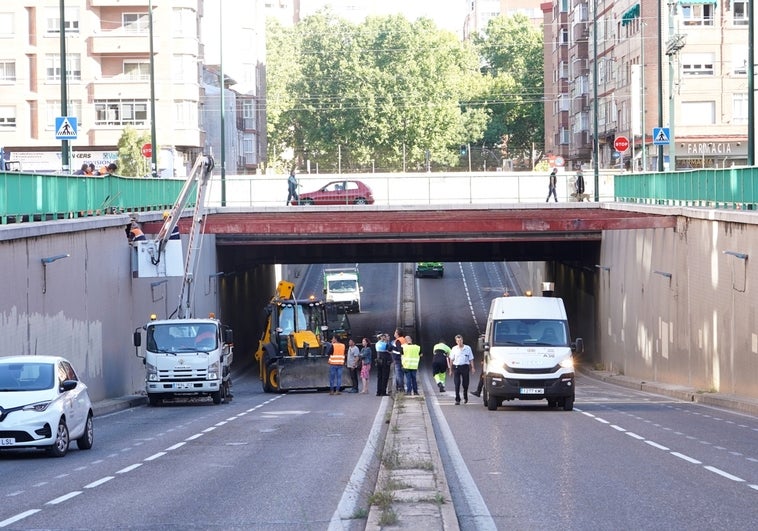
40 197
35 197
735 188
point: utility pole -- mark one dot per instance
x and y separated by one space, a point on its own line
660 80
153 143
64 81
673 45
595 139
750 85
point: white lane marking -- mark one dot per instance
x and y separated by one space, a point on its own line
175 446
588 414
687 458
351 495
16 493
129 468
211 428
473 498
221 423
754 487
656 445
720 472
155 456
193 437
635 436
19 516
602 420
63 498
99 482
617 428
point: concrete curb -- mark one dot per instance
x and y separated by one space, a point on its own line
111 405
686 394
416 491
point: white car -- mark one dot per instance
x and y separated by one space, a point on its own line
43 405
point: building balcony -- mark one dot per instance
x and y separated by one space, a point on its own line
119 42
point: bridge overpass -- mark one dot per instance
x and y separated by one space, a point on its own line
515 232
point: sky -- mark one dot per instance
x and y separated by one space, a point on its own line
447 14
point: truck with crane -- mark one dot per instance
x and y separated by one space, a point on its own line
184 356
294 348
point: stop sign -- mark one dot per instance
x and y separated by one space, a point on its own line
147 150
621 144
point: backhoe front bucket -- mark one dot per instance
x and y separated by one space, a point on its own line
300 372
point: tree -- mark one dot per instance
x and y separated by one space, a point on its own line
384 92
131 162
512 54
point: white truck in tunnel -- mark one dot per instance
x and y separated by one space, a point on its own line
528 353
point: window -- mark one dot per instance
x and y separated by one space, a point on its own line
697 64
136 22
53 67
564 36
6 25
565 136
7 70
248 114
739 108
53 19
7 117
185 22
53 110
137 71
184 69
185 113
739 61
563 69
697 14
739 12
565 102
121 112
248 149
698 113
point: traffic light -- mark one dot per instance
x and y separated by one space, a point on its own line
464 150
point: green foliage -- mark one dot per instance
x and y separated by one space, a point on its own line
385 93
131 162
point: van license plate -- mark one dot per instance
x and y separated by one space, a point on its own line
532 391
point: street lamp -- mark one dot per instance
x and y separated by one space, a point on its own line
153 143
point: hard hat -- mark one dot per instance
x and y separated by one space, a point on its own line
166 214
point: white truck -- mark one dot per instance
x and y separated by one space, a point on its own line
528 354
183 356
342 287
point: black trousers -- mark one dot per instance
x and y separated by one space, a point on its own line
383 376
355 375
461 375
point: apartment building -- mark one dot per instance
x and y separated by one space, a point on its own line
110 82
699 98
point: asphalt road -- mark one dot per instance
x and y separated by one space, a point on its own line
623 459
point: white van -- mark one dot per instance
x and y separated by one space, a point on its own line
528 353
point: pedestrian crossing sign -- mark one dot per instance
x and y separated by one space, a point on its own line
661 136
66 128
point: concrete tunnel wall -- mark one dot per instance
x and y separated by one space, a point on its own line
669 305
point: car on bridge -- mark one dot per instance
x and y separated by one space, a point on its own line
44 405
343 192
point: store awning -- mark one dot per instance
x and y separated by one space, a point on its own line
696 2
632 13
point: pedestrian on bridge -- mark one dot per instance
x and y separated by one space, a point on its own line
551 185
292 188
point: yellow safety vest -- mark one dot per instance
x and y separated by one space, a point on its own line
411 356
338 354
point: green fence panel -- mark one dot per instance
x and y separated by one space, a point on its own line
35 197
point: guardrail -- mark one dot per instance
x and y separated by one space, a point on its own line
37 197
735 188
40 197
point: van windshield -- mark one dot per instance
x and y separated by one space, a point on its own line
529 332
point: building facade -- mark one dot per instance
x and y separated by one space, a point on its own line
696 101
109 80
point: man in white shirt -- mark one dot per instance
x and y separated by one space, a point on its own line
461 367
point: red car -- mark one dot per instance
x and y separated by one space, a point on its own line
338 193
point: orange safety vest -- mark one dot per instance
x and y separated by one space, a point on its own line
337 356
137 234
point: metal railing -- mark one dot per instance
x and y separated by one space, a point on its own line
38 197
